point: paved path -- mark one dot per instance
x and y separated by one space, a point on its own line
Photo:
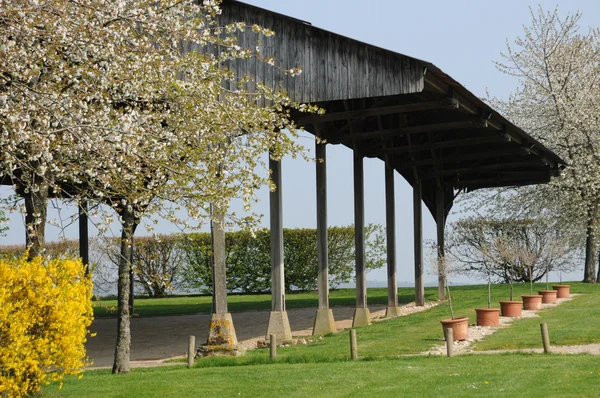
155 338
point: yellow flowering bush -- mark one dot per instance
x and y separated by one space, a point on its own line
45 310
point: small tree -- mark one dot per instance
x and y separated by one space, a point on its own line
442 267
515 256
509 250
157 262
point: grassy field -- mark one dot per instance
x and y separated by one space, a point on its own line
478 375
574 322
324 369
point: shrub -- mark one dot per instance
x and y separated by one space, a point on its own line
249 263
509 250
156 263
45 309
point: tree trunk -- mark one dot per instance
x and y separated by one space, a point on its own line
131 273
598 276
123 347
36 201
589 271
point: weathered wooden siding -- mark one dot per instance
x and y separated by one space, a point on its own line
333 67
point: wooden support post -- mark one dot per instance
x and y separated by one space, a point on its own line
545 337
353 345
279 324
277 270
390 228
219 277
272 346
221 332
449 342
324 322
322 248
359 232
418 245
84 237
191 354
362 316
440 219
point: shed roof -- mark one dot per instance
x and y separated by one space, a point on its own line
390 106
387 105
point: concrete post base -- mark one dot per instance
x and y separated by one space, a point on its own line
324 323
392 312
222 340
279 325
362 317
221 330
224 350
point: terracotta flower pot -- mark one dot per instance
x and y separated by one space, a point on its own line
488 316
563 290
512 309
548 296
459 326
532 302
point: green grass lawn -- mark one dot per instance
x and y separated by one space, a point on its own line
324 368
477 375
573 322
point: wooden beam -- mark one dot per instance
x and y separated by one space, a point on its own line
447 103
472 187
533 147
419 129
356 122
464 156
434 84
501 138
499 181
499 167
520 173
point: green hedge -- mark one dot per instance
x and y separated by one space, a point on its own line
248 258
167 263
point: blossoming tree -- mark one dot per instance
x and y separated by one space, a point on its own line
558 102
134 105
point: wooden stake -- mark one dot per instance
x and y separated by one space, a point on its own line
353 347
191 351
449 342
273 346
545 337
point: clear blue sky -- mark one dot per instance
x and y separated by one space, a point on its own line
461 37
